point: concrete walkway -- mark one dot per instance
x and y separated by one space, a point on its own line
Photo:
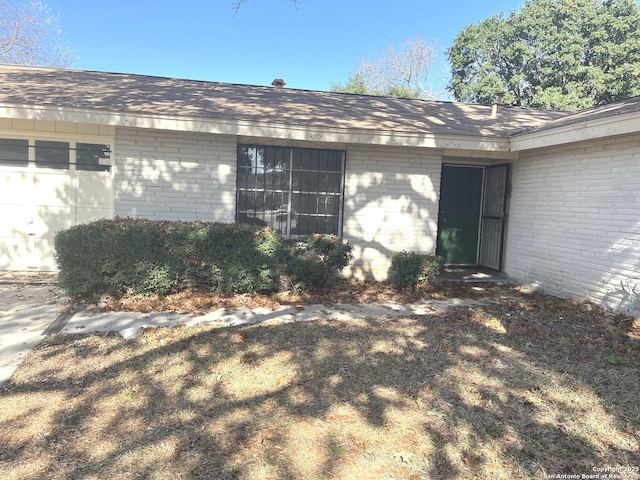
28 312
130 324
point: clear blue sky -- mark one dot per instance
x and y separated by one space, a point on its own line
319 42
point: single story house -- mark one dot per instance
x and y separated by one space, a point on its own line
551 199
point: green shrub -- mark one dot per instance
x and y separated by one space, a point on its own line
314 262
114 256
229 258
307 273
409 269
142 256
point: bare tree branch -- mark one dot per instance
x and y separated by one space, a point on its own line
31 35
404 71
236 4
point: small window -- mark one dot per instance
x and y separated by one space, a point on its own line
93 157
14 153
52 154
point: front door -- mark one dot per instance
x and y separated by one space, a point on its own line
472 215
459 215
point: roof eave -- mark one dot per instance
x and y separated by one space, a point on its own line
488 143
576 132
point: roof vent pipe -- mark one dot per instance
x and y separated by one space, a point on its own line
278 83
494 107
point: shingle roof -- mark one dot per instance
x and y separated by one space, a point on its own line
141 94
613 109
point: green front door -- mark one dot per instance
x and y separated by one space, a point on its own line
459 216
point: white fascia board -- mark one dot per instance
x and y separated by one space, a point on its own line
257 129
576 132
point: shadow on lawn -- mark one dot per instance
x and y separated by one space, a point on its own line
464 394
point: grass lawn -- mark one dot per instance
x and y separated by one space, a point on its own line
524 386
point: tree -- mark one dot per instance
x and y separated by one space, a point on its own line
30 35
552 54
406 72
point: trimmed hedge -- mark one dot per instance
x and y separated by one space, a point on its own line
409 269
123 255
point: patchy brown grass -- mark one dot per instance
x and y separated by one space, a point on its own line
520 387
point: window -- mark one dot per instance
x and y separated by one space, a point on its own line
14 153
52 154
297 191
94 157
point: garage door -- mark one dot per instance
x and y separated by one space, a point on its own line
48 186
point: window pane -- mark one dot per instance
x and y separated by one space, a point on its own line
258 160
304 225
242 201
330 225
333 162
241 178
14 153
302 159
88 157
295 181
244 160
250 205
321 162
52 154
312 181
307 203
330 182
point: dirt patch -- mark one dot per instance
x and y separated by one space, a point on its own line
521 387
343 291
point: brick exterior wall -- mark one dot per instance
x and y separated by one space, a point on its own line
391 204
175 175
574 221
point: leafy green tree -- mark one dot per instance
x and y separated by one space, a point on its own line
30 35
551 54
403 72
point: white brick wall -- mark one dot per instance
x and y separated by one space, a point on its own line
391 204
174 175
574 227
391 194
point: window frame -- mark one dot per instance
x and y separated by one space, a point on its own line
101 146
295 165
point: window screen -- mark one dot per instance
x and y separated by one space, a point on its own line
294 190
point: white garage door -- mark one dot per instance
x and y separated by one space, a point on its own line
47 186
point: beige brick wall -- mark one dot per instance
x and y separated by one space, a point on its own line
174 175
574 226
391 204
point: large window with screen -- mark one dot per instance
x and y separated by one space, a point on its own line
297 191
